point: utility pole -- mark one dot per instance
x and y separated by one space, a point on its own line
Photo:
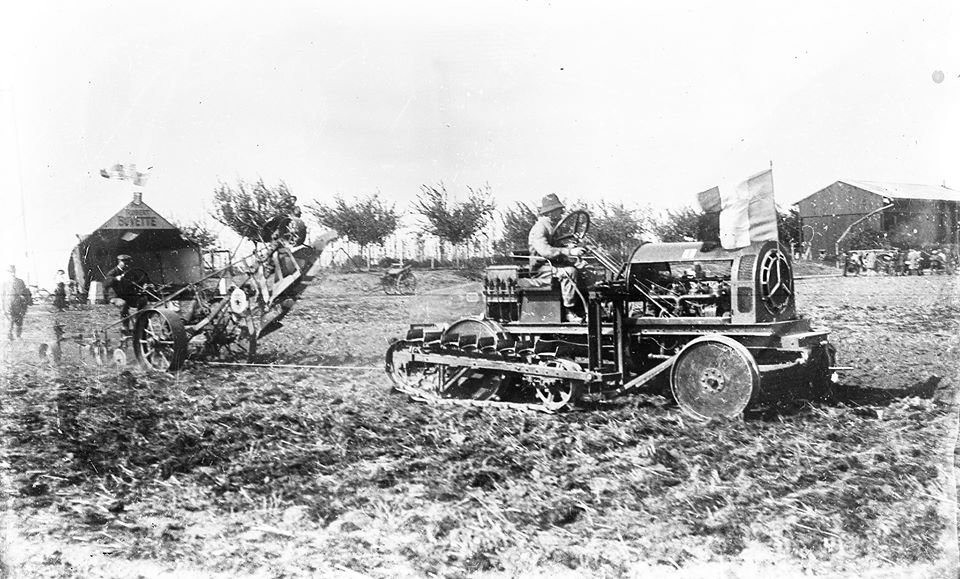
29 261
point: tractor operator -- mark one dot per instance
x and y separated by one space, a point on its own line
127 284
558 263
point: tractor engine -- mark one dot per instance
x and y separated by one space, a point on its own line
689 280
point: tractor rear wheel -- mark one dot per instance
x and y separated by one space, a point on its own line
714 377
159 340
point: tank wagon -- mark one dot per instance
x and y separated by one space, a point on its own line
721 325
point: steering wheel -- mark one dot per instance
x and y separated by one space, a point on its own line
138 277
572 228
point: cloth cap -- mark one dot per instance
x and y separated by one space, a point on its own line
549 203
124 257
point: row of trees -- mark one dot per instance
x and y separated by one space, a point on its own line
369 220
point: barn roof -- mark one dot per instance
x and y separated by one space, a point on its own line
902 190
908 190
136 216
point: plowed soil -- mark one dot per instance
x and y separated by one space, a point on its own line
227 472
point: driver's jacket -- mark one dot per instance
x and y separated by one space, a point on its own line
118 279
540 241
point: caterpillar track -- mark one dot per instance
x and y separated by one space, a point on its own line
481 367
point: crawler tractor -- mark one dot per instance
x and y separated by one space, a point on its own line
721 325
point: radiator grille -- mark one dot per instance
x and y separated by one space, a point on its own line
745 271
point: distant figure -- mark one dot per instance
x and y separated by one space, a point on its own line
852 263
60 292
869 263
15 298
913 262
127 283
900 262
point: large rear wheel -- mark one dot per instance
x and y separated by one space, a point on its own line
159 340
714 377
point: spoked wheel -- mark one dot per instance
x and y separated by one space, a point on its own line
389 285
471 383
558 393
407 375
714 377
159 340
407 284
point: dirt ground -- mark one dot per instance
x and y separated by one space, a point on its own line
226 472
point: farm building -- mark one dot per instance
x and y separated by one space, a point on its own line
136 230
915 215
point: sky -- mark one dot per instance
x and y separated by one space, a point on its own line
623 102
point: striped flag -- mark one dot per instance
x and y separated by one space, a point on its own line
747 212
126 173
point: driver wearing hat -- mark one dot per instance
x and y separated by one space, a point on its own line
557 262
121 279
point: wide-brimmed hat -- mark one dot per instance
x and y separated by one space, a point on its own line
549 203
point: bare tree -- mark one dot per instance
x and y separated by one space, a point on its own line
198 233
684 224
616 227
365 221
246 207
517 221
452 221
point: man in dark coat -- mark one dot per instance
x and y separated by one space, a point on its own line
15 298
127 283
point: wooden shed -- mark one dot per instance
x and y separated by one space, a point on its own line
918 215
156 246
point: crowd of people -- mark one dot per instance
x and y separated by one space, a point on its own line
897 262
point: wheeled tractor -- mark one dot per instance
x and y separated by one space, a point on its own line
224 315
720 325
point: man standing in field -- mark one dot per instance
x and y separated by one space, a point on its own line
15 298
556 262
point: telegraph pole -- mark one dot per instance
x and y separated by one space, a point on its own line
30 265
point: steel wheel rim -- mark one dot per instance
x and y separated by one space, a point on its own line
714 377
157 345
